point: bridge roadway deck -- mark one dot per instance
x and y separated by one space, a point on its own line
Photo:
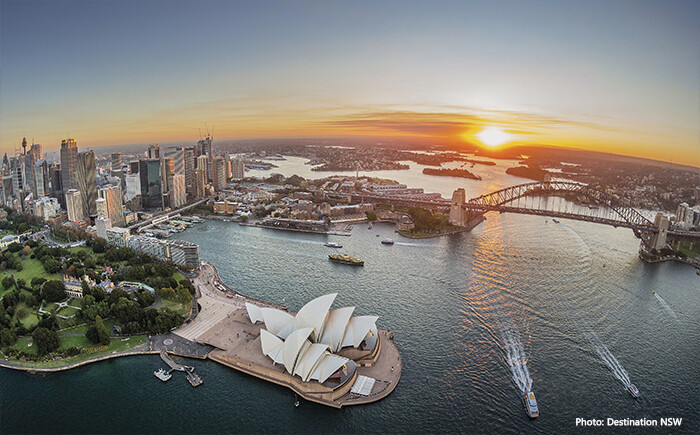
224 324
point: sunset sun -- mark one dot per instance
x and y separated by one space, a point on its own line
493 136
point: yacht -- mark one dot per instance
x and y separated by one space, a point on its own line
387 241
333 245
531 404
634 391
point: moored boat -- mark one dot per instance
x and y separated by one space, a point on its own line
162 375
346 259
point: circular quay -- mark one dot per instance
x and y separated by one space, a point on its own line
371 216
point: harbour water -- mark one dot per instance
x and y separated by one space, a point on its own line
520 302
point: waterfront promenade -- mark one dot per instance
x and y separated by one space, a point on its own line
223 333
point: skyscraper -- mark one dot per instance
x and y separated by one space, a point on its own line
74 206
112 195
153 151
203 165
237 168
102 210
199 183
69 161
149 177
116 162
178 196
189 171
40 181
87 181
167 168
207 147
56 187
219 174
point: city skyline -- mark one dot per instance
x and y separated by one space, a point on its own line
616 77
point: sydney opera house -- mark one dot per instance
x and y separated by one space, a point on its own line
325 355
308 344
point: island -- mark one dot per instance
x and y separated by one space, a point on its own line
462 173
531 172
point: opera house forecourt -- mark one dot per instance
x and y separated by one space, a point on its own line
325 355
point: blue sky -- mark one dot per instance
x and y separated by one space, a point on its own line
155 71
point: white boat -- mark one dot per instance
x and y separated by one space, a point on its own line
531 404
162 375
634 391
332 245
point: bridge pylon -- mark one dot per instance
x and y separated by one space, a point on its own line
458 214
658 239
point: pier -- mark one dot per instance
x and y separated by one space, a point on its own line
193 378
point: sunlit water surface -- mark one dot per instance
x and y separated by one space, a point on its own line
520 302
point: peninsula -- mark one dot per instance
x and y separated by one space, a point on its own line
462 173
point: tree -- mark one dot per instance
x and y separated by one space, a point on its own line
97 333
371 216
51 265
26 251
45 340
8 282
53 291
14 247
7 337
101 331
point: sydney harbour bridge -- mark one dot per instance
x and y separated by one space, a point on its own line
582 202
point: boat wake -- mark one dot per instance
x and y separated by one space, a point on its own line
666 306
516 356
607 356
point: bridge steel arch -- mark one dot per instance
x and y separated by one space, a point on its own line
498 200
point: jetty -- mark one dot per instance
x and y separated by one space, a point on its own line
193 378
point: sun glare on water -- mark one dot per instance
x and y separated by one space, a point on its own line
493 136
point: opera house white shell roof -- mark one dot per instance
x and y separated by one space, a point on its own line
305 343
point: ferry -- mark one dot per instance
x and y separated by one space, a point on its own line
346 259
162 375
634 391
387 241
531 404
332 245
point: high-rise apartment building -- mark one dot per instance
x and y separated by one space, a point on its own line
219 174
86 175
237 168
74 206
